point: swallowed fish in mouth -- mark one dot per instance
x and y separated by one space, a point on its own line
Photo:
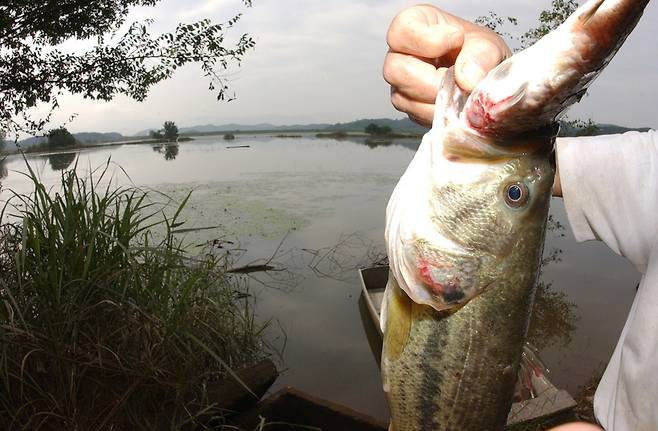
465 227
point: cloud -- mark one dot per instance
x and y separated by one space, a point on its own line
318 61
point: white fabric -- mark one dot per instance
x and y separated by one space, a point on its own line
610 189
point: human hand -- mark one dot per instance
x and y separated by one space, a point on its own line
423 42
577 426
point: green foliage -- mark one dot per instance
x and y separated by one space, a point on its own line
549 19
170 130
156 134
60 138
33 70
229 136
583 128
374 129
3 143
495 22
106 322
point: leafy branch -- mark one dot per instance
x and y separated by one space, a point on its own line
33 72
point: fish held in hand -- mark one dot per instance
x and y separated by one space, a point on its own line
465 227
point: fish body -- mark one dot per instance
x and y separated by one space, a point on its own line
451 354
465 228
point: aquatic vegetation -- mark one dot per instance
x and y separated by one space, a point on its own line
105 325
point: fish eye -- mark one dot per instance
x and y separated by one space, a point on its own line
516 195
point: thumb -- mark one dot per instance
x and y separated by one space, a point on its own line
425 31
478 56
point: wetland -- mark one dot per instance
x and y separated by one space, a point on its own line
313 209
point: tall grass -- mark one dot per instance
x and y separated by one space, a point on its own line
106 325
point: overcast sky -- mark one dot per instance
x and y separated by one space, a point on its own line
320 61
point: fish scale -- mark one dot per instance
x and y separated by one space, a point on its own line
478 370
467 218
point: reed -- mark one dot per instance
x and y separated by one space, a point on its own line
105 321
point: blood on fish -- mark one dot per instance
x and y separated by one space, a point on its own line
425 272
479 118
450 291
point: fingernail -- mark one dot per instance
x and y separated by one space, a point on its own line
472 73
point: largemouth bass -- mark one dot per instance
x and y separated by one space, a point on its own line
465 227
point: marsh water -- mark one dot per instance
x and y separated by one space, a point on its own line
314 209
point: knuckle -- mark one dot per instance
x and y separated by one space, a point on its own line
389 68
398 101
395 68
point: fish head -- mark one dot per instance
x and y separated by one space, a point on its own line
477 192
474 218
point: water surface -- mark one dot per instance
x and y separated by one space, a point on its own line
320 204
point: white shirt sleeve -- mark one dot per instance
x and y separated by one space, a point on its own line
610 190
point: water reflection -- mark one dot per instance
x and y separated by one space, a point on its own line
3 168
61 161
553 319
170 151
554 316
377 142
342 260
381 142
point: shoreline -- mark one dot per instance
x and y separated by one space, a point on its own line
47 151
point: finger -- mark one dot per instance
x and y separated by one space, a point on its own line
420 112
412 76
481 52
421 32
577 426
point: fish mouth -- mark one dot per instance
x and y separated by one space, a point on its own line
534 87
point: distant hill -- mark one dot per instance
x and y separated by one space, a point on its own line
233 127
403 125
94 138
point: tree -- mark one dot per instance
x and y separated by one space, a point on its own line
33 70
170 130
374 129
3 143
583 128
61 138
549 19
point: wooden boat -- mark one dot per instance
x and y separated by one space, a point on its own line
536 396
292 409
